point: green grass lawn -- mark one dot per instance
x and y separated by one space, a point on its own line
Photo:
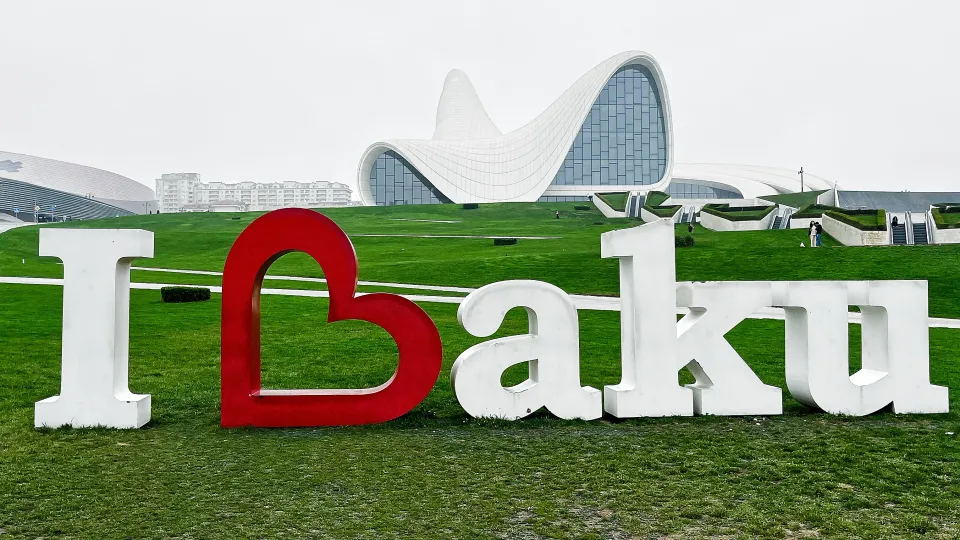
617 201
950 218
655 198
436 472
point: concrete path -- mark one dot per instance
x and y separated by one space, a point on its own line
454 236
425 220
587 303
386 285
8 225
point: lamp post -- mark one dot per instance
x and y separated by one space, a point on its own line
800 172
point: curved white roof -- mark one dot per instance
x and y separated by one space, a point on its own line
750 180
72 178
469 160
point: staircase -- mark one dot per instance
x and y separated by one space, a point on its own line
782 219
919 234
899 233
685 215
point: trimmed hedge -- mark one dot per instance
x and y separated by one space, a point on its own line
504 241
184 294
683 241
940 221
578 207
813 211
471 206
865 220
655 199
663 211
738 213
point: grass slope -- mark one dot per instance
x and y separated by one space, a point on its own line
436 472
617 201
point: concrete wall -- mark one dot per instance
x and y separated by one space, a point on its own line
648 216
717 223
804 223
945 236
852 236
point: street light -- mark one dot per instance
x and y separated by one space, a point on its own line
800 172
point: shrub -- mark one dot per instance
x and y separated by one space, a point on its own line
504 241
738 213
663 211
948 221
813 211
184 294
683 241
865 220
579 207
471 206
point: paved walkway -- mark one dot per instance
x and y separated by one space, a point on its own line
455 236
439 288
426 220
7 225
582 302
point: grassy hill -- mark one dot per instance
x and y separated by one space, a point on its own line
436 472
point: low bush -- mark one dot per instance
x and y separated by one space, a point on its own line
663 211
579 207
504 241
812 211
865 220
683 241
471 206
738 213
946 217
184 294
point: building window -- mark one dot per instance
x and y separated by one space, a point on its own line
688 190
623 141
393 180
564 198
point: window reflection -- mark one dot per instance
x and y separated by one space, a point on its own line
623 140
394 181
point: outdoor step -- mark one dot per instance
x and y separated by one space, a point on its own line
919 234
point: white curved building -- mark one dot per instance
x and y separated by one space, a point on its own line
610 131
724 181
63 189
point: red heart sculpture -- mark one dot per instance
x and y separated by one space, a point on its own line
243 402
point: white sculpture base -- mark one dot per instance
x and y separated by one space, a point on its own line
124 412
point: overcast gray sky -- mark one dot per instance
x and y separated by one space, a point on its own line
866 94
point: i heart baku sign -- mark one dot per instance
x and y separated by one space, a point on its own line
654 344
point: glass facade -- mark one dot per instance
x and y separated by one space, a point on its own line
393 180
564 198
623 141
687 190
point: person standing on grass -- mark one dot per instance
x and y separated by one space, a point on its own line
819 232
558 214
812 230
690 228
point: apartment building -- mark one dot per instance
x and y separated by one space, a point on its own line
178 192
